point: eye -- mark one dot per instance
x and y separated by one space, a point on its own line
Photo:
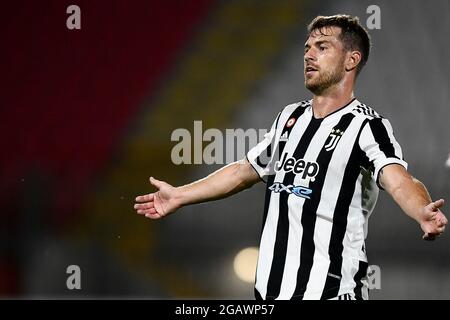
322 48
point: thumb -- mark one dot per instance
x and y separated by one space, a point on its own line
155 182
437 204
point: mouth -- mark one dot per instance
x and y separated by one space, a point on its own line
309 70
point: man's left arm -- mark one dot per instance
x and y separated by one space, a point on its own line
414 199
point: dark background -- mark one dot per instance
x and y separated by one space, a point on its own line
87 115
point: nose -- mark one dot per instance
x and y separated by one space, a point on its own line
309 55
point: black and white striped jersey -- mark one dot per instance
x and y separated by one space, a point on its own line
321 177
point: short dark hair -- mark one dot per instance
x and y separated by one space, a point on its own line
353 35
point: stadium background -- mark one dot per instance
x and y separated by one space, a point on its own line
87 117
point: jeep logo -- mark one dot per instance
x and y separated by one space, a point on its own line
305 168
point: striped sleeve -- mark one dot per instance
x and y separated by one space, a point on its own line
379 145
261 155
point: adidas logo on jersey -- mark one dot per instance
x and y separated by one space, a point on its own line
284 136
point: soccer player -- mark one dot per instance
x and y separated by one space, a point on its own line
324 161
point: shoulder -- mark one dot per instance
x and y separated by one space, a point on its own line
301 106
364 111
293 110
372 123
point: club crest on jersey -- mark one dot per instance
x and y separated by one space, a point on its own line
333 139
306 169
299 191
290 122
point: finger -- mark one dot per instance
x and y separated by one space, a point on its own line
433 235
437 204
146 205
428 237
437 230
145 198
155 182
141 211
154 216
440 223
145 212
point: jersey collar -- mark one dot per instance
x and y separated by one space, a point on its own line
337 113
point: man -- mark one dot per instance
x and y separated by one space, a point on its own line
324 161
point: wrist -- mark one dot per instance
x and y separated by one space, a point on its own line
425 214
422 216
180 197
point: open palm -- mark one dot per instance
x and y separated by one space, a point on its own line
160 203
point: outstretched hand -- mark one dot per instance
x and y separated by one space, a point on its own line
160 203
435 221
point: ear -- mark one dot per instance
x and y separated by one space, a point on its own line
352 60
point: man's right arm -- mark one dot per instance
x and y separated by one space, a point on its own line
222 183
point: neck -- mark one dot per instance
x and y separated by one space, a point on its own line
332 99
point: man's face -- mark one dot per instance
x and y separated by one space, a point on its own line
323 59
